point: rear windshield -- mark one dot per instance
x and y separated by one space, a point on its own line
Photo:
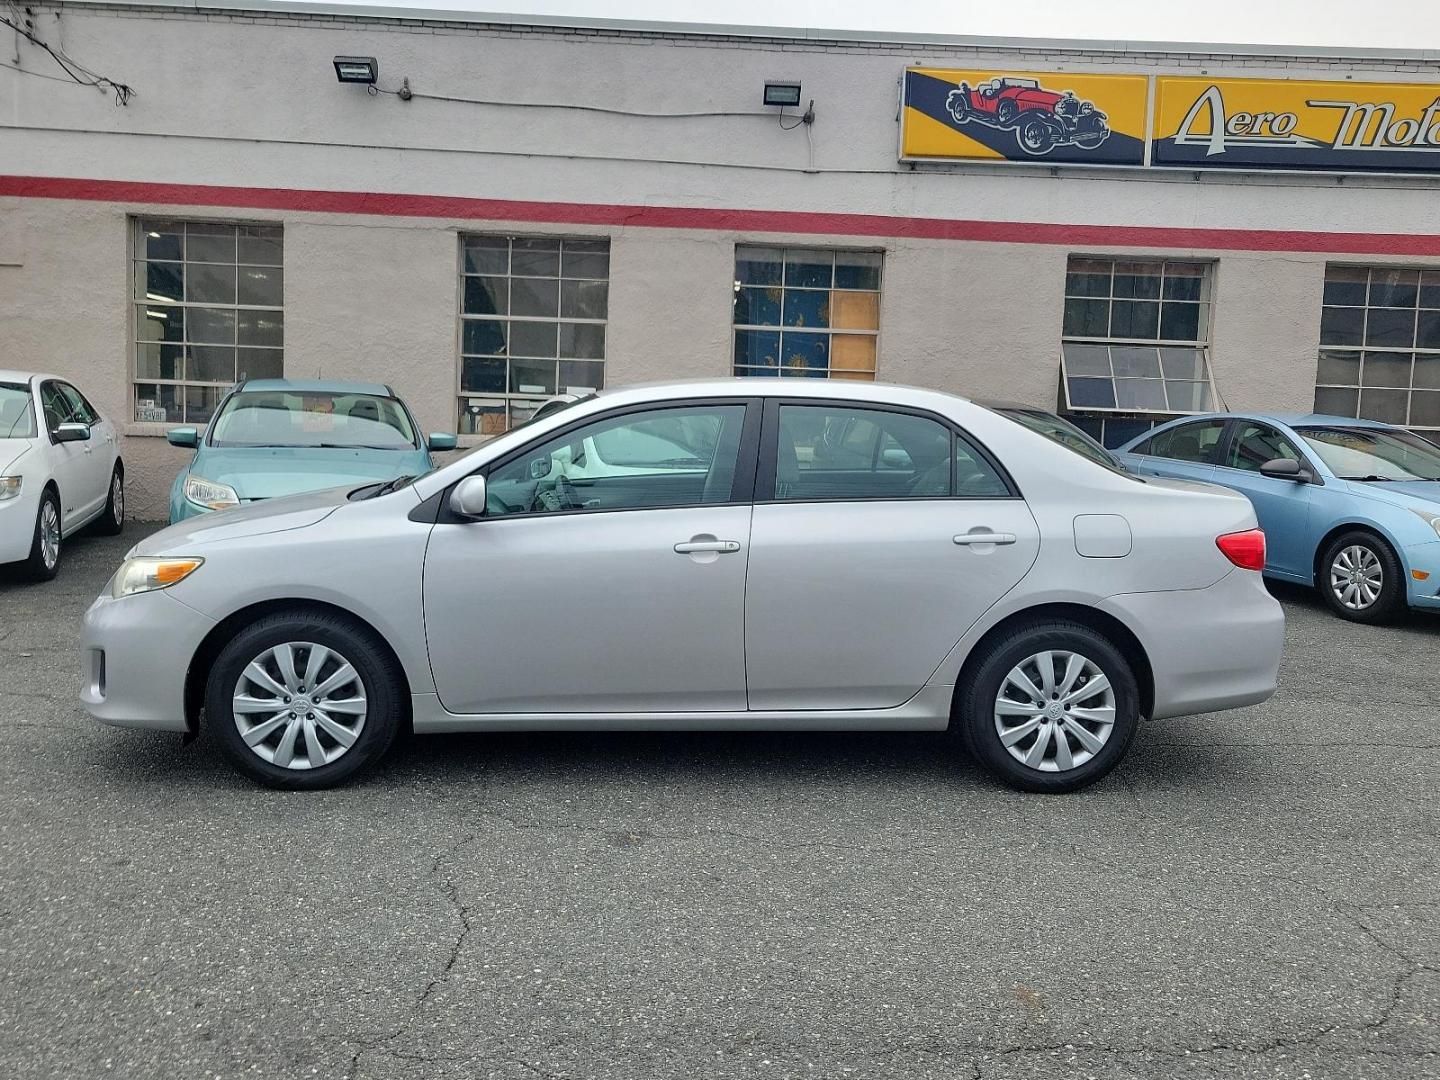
1066 434
313 418
17 412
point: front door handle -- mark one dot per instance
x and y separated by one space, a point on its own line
720 547
984 538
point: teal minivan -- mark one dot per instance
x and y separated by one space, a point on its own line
273 437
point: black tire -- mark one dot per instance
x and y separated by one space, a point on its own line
1035 137
381 681
957 106
1390 602
37 567
1006 112
112 522
974 719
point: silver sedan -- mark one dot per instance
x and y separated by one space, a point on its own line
737 554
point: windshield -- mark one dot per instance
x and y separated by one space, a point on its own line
1375 454
1064 433
17 412
313 418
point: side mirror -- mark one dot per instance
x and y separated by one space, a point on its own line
468 498
183 436
439 440
72 433
1285 469
539 468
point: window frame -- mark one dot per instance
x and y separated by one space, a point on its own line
1201 343
137 256
1232 435
740 493
780 328
767 465
507 399
1216 451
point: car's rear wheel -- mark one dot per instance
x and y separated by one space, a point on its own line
1361 578
304 701
1006 111
112 522
1049 707
43 562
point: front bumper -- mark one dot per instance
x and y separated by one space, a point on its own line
1426 559
17 523
137 653
1209 649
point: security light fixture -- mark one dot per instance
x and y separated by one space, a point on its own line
357 69
782 94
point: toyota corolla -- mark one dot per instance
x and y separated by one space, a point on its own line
740 554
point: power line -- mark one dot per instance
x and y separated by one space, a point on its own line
86 77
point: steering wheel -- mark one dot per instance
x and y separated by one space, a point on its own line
560 497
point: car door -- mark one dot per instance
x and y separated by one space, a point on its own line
99 450
68 461
1185 452
867 566
1282 506
607 574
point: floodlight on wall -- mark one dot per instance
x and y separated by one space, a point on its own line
782 94
357 69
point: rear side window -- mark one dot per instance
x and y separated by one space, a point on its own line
1188 442
831 452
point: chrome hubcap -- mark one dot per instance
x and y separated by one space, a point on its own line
49 534
299 705
117 497
1055 711
1356 577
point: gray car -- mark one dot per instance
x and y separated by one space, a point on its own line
735 554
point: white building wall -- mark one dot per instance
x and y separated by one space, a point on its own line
248 100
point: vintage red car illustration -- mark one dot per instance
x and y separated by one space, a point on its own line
1041 119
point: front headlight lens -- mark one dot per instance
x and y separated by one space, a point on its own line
148 573
9 487
209 494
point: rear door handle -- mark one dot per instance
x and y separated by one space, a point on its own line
984 538
721 547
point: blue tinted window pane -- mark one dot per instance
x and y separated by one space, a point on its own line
805 353
483 336
757 371
809 269
1092 394
757 348
758 265
1119 431
807 308
757 307
482 376
857 270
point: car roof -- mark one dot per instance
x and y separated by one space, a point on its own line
13 376
764 386
322 386
1284 419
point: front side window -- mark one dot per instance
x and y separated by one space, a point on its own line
1373 454
59 408
833 452
81 411
1255 444
683 456
17 412
1195 443
313 419
209 311
809 312
1135 337
533 314
1380 345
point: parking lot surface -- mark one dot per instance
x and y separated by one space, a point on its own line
1253 894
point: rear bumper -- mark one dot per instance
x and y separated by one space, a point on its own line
1209 649
137 653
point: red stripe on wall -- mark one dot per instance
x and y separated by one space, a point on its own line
742 221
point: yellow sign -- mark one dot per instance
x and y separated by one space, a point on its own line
1023 116
1279 124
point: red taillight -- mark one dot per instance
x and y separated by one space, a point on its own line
1245 549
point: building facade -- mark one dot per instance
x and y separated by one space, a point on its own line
1123 232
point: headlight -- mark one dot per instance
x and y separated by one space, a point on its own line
209 494
148 573
9 487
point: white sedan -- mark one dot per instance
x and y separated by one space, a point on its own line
60 470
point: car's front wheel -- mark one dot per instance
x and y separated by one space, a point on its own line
43 562
1360 578
304 701
1049 706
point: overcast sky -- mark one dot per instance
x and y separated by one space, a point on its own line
1407 24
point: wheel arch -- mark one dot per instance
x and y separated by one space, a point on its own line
1120 635
198 672
1336 531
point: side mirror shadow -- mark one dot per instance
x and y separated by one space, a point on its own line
468 497
183 436
439 440
1285 469
72 433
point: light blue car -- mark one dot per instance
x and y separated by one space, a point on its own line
273 437
1351 507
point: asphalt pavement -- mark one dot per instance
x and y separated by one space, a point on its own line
1251 894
